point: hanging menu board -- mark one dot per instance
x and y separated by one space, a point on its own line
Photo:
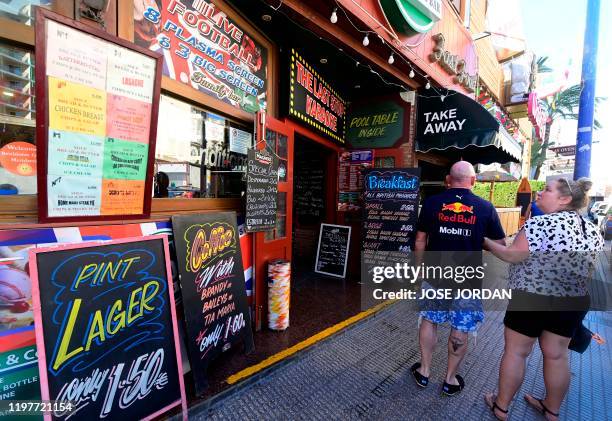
391 203
332 251
350 177
98 96
309 190
212 286
106 329
262 189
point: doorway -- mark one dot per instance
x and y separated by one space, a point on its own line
313 203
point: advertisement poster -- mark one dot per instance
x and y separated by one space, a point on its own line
74 154
240 141
315 102
19 158
212 285
220 59
350 178
104 316
100 107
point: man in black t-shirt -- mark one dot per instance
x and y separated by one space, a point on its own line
451 229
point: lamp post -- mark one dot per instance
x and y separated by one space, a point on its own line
587 95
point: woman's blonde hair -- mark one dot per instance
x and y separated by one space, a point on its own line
578 190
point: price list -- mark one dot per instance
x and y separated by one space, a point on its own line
350 177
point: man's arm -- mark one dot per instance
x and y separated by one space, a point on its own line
419 246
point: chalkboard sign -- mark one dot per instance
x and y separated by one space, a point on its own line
309 193
262 188
332 251
212 284
106 328
391 198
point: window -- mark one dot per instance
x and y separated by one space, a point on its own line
200 154
21 11
17 121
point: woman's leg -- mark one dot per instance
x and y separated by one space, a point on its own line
556 371
512 368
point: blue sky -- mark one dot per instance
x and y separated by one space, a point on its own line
555 28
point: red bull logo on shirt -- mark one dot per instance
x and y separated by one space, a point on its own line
459 210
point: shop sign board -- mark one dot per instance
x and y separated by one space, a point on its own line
100 95
262 189
536 115
381 125
314 102
240 141
104 316
212 286
453 64
350 177
206 49
568 150
333 249
391 202
409 16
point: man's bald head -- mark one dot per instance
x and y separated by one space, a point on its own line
462 175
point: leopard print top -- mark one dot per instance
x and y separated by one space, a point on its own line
563 248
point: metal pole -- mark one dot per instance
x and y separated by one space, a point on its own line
582 167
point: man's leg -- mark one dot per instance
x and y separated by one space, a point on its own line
457 348
428 336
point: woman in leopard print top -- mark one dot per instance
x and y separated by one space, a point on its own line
552 259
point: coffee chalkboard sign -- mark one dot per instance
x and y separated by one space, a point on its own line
332 251
262 188
213 288
106 329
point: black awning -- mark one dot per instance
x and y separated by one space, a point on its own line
462 128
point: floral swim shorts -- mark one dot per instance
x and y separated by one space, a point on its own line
463 315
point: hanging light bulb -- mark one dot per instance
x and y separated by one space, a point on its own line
334 16
411 74
428 85
391 59
366 40
356 64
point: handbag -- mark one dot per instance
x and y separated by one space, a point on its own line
581 339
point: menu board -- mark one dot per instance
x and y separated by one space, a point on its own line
212 286
262 189
106 329
333 249
100 94
309 190
391 204
350 177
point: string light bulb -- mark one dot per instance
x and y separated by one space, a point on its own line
366 40
391 59
427 85
334 17
411 74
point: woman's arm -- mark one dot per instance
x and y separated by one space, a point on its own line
514 253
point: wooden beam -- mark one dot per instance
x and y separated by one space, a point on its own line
16 32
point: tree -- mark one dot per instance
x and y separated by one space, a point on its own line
562 105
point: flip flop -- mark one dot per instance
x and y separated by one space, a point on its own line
420 379
453 389
543 409
491 402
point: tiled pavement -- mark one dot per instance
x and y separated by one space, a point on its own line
363 373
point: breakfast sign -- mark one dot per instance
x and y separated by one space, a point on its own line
314 102
98 96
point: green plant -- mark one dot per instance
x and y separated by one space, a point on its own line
504 194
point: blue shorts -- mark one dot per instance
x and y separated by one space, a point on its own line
463 315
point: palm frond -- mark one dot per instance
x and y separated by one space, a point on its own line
542 66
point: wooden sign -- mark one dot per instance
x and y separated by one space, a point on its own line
106 329
213 288
97 105
333 249
523 199
262 189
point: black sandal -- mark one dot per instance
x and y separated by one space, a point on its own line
544 410
493 406
420 379
452 389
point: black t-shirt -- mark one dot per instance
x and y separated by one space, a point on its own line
458 220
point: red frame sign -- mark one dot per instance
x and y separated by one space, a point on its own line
97 107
